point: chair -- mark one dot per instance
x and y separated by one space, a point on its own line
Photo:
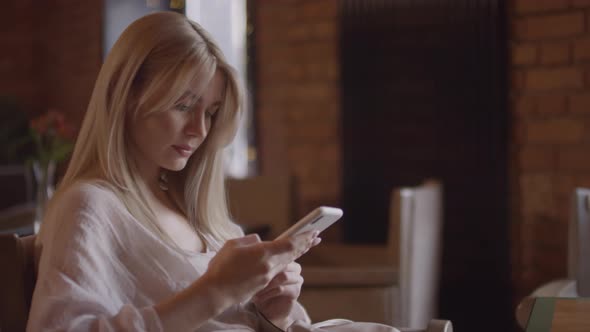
17 280
577 282
262 204
396 284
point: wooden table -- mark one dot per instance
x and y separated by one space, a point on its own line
551 314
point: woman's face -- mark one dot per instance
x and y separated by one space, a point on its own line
167 139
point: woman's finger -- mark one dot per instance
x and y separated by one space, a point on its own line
316 241
284 251
293 267
289 279
245 240
283 279
290 291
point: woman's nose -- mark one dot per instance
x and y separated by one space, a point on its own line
197 124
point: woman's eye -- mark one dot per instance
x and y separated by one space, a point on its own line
182 108
212 113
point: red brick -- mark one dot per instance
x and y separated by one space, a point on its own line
533 6
564 184
317 49
526 241
318 186
267 36
549 26
313 133
580 3
66 53
299 97
275 13
562 130
517 78
314 10
555 53
581 180
580 103
537 194
304 110
316 158
574 159
278 53
525 105
551 103
314 92
537 158
322 71
554 78
273 18
550 234
281 71
518 131
298 32
324 30
550 254
582 49
523 55
587 77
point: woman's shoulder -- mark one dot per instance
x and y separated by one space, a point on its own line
85 201
86 194
90 189
80 216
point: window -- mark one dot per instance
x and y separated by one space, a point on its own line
225 20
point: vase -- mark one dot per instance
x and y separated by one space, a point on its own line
44 176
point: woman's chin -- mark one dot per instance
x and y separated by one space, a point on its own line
177 165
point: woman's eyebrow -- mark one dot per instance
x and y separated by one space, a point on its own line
186 95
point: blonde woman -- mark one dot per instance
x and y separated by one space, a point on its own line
138 236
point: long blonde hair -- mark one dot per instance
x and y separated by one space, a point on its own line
147 70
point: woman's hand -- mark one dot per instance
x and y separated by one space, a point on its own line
245 265
277 300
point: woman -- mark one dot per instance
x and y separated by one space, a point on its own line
138 236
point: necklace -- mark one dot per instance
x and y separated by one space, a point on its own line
163 181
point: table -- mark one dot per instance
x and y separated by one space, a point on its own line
552 314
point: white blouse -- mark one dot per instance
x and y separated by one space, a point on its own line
99 269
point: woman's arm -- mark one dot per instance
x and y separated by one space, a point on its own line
240 269
178 313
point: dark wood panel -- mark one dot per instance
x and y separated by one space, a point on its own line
423 95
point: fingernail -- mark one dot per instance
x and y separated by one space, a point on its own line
317 241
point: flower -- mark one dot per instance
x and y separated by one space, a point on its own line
52 136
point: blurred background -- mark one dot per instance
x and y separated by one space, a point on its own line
352 98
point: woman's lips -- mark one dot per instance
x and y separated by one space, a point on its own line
185 151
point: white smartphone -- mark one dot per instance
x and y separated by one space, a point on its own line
317 220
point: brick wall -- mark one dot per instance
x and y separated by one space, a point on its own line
51 53
550 115
16 57
298 96
550 98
